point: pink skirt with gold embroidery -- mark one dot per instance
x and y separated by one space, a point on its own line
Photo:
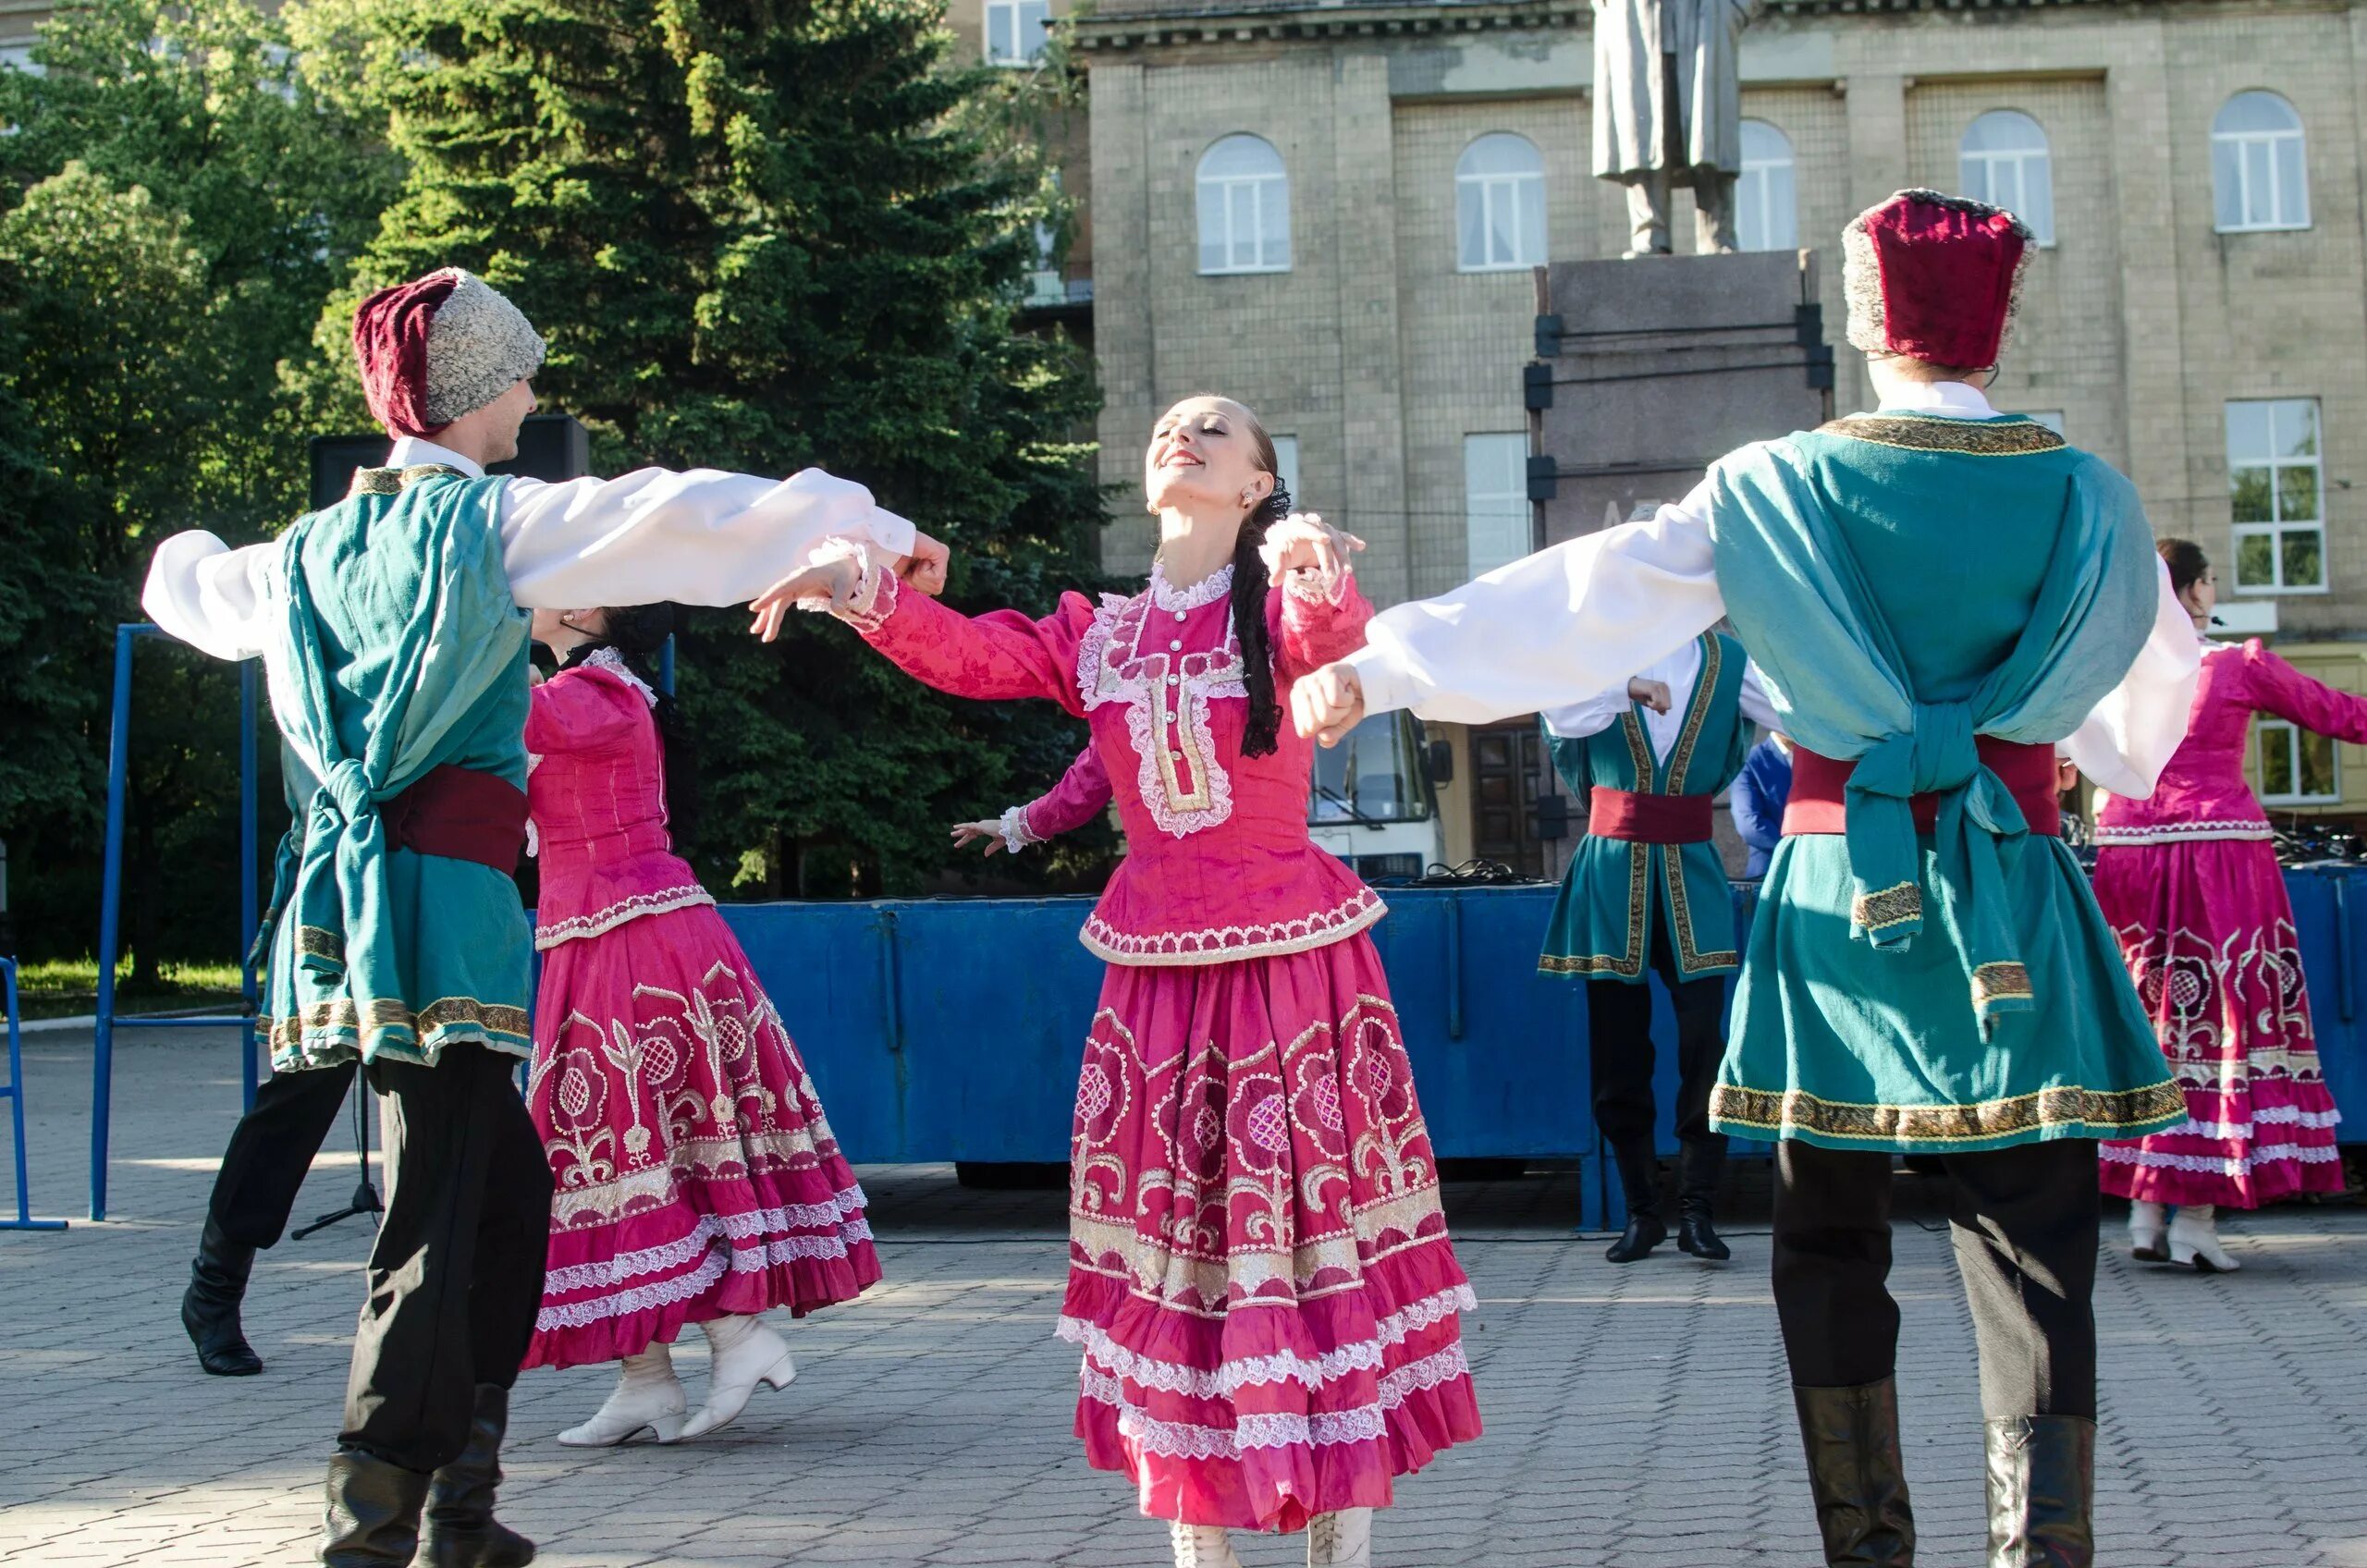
1259 1273
696 1176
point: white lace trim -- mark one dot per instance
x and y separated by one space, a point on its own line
2215 1165
2275 1115
1164 689
2182 832
608 658
1358 1424
875 592
750 1228
1207 590
1222 944
578 927
1016 833
1105 1354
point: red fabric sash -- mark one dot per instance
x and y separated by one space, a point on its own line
460 813
1818 786
1648 819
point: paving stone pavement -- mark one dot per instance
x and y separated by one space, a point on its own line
1637 1418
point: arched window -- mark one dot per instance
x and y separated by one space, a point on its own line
2003 161
1766 215
2259 177
1500 204
1245 198
1017 30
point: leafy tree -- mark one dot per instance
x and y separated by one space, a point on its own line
764 234
175 205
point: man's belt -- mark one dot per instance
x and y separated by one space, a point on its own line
460 813
1648 819
1820 788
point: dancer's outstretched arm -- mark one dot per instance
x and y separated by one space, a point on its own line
1000 654
1081 794
1550 630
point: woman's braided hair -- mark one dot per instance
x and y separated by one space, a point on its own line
1249 586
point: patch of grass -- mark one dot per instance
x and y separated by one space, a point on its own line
67 987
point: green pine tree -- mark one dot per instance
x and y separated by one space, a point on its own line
762 236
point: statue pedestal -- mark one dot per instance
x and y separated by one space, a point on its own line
1650 369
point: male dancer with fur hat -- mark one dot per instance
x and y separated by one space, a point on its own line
1938 595
393 631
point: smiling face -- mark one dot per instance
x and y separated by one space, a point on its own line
1208 452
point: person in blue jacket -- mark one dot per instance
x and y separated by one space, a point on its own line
1757 800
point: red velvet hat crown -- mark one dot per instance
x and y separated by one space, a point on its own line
438 347
1933 277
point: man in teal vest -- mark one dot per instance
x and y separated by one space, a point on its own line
393 630
1939 595
1646 893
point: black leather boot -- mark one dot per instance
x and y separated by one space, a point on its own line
2041 1492
1856 1474
1639 1173
218 1283
1699 1165
1695 1235
1644 1232
461 1531
374 1513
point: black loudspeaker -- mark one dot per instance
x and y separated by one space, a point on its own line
552 447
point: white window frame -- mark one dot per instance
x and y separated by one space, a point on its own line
1239 203
1994 167
1757 174
2243 144
2278 527
1011 16
1286 466
1485 506
2263 729
1519 196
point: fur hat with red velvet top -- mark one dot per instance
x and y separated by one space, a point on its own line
1933 277
441 347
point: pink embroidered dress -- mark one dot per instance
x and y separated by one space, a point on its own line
2189 881
695 1174
1259 1273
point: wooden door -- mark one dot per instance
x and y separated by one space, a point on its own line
1507 763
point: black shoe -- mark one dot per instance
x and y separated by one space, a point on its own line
461 1531
1644 1232
1696 1235
2041 1492
373 1511
1856 1474
218 1283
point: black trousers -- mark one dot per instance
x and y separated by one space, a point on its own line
456 1277
272 1148
2024 1223
1619 1059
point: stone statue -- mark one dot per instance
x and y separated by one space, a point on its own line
1668 112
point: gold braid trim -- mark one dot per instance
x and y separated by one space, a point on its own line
2010 438
315 941
2000 983
1689 959
1887 907
1794 1111
395 481
326 1032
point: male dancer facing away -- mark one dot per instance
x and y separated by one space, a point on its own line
392 632
1936 594
1645 893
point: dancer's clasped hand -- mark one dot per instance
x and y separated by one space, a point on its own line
1653 695
968 833
832 584
1304 542
1327 704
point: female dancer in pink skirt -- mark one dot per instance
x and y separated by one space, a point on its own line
1260 1274
697 1180
2190 880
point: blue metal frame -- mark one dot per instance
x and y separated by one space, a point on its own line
111 901
15 1093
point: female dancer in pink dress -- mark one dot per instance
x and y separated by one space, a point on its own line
2190 880
697 1179
1259 1273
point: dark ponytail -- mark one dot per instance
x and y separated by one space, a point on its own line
638 633
1249 588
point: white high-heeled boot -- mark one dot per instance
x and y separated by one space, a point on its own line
2194 1241
648 1398
1340 1540
745 1353
1201 1546
2147 1232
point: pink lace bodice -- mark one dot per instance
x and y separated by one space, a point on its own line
2203 792
1218 865
596 793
